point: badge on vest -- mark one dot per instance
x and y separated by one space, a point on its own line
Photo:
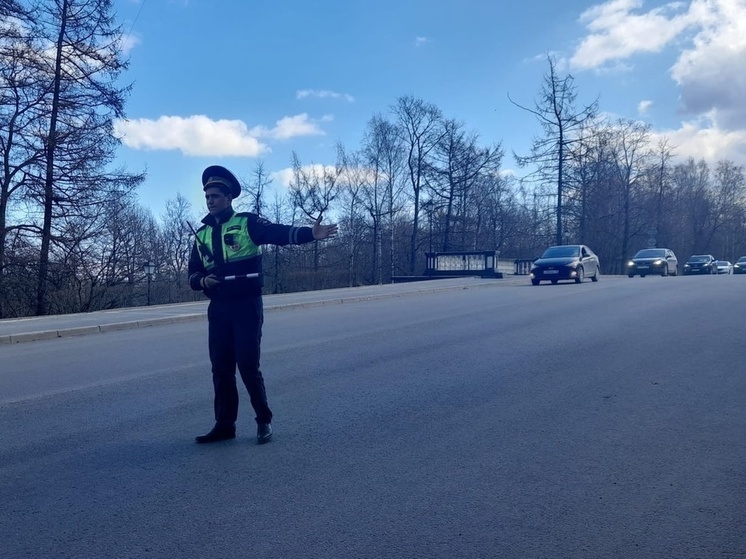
231 242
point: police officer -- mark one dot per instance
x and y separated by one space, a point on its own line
226 263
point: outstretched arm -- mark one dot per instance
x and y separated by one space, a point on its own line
323 231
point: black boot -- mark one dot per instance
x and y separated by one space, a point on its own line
218 433
263 433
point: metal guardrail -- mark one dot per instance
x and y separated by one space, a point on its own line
484 264
522 267
473 263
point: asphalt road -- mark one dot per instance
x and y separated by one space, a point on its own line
603 420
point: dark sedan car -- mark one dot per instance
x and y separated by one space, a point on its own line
701 264
658 261
740 266
566 262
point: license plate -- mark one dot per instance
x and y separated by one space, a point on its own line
643 267
551 271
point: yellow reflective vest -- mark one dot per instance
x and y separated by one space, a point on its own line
235 243
230 247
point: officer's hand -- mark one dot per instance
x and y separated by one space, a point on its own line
324 231
210 282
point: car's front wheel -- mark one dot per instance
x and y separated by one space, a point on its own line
595 276
535 282
630 275
664 273
580 277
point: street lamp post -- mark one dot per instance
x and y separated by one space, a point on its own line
149 269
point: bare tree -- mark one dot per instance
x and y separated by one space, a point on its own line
22 98
420 126
561 121
729 190
587 177
458 164
313 190
256 189
354 181
692 183
279 212
631 156
496 213
662 174
177 242
78 58
384 159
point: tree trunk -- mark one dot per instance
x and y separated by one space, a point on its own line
46 234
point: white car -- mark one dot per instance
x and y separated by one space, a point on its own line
724 267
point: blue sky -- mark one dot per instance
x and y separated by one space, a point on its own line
233 82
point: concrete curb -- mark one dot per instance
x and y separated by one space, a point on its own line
147 323
79 331
85 330
33 336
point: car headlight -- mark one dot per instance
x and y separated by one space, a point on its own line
658 262
630 263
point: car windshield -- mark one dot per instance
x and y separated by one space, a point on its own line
742 260
699 259
561 252
651 253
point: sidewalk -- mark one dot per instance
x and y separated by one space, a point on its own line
16 330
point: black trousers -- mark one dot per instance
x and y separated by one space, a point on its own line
235 335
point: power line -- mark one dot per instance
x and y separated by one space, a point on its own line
136 17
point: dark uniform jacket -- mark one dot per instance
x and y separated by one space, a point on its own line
232 248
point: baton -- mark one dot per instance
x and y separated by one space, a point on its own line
239 276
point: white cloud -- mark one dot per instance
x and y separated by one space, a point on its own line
127 42
712 72
195 135
199 135
323 94
290 127
617 33
710 68
705 141
643 106
419 41
285 177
